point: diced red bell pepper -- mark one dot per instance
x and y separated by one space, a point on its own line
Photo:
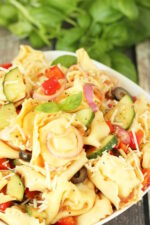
4 206
54 72
4 164
134 99
50 86
146 182
67 221
6 66
139 136
31 194
111 127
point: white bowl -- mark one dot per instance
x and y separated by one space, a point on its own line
133 88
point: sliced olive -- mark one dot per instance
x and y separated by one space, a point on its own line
25 155
80 176
119 93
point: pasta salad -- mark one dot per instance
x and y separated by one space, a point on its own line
74 145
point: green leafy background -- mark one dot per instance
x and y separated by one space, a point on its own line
106 29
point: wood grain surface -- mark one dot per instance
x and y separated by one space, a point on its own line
137 214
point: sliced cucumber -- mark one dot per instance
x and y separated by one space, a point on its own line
124 112
35 213
15 187
7 113
85 116
65 60
108 144
13 85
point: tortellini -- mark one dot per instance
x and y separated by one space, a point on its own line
102 208
13 216
99 130
146 156
116 179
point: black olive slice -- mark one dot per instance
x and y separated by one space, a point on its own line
80 176
119 93
25 155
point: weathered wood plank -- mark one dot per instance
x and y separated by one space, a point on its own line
143 66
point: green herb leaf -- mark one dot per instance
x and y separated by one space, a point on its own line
103 12
71 103
145 3
21 28
127 7
65 60
123 64
50 107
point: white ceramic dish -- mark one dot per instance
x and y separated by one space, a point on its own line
134 89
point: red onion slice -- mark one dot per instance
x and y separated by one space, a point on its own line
89 95
122 134
68 155
38 95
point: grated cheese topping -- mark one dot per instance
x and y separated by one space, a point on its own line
71 120
135 140
48 179
7 176
113 115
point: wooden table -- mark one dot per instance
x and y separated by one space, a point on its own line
139 213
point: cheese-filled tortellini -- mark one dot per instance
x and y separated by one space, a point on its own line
115 178
14 216
57 143
70 200
99 130
102 208
146 156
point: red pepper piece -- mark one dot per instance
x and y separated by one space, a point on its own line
4 164
50 86
54 72
139 135
6 66
4 206
67 221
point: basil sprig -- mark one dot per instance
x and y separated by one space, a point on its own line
67 105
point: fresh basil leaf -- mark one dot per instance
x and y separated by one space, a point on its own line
119 34
71 103
47 16
128 7
102 12
36 40
50 107
145 3
84 20
21 28
8 12
65 60
123 64
66 6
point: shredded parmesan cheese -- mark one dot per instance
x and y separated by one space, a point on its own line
7 176
11 82
25 202
113 115
71 120
3 69
34 203
48 179
21 132
135 140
